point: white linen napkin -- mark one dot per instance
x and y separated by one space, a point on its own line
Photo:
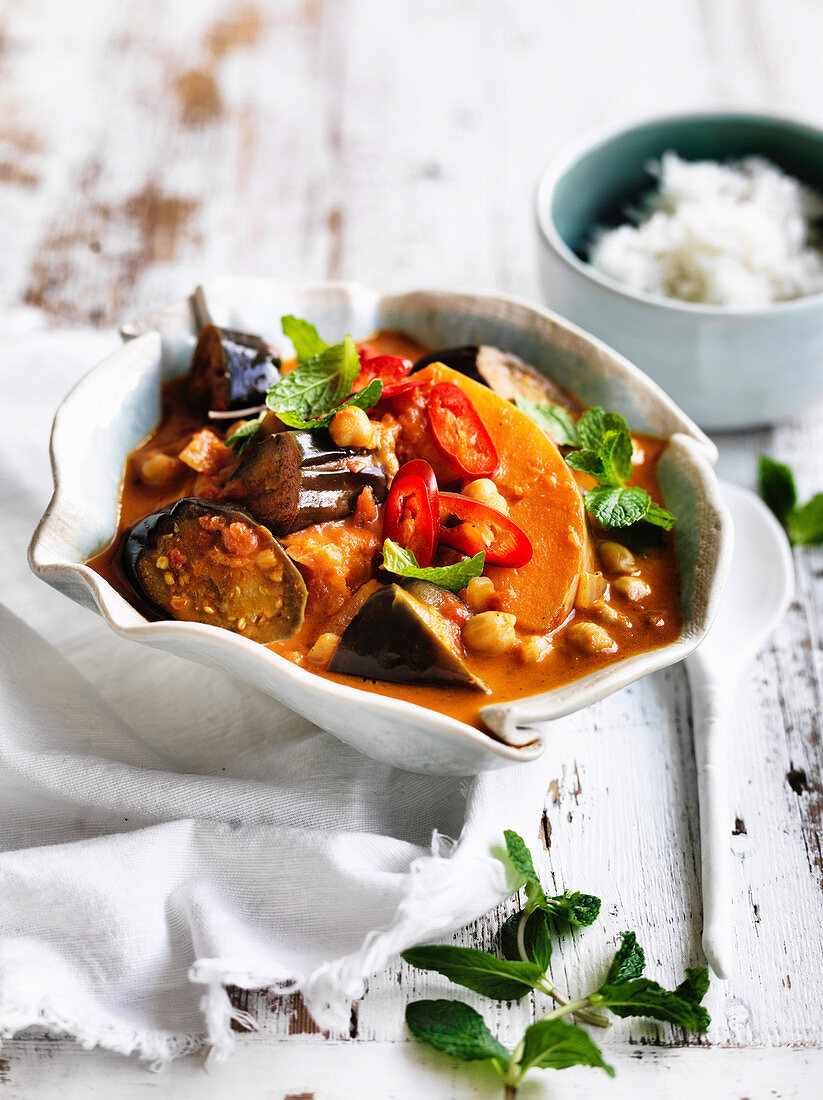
165 829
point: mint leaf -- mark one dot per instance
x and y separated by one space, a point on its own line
311 394
307 344
695 985
455 1027
554 1044
629 961
595 423
659 516
576 908
455 577
776 485
617 507
587 462
499 978
239 440
555 421
523 863
536 938
806 523
643 997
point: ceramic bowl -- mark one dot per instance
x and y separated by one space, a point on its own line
118 403
728 368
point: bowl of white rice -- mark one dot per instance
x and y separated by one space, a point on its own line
693 245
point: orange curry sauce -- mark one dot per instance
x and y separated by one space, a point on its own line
640 625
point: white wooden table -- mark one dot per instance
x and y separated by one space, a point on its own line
145 146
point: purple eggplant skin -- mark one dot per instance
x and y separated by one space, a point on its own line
463 359
397 638
505 373
230 370
257 592
296 478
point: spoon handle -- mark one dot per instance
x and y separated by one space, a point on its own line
710 749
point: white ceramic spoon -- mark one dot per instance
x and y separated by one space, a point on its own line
757 594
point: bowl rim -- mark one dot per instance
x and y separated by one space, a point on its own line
566 157
504 718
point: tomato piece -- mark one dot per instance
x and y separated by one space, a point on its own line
482 528
459 431
412 511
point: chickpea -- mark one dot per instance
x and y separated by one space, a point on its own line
484 491
352 428
535 648
633 588
490 633
616 558
591 638
608 614
322 650
591 587
159 469
478 593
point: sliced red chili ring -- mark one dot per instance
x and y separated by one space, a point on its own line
412 511
459 431
482 528
390 369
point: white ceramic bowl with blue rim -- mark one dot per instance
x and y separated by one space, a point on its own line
118 403
728 368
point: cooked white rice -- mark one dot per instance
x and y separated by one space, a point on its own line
739 234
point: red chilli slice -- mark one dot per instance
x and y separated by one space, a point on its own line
459 431
412 511
482 528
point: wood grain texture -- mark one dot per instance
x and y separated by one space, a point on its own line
147 146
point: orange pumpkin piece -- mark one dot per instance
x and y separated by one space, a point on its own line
205 452
543 501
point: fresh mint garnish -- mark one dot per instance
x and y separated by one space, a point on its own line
321 385
455 577
457 1029
628 963
304 337
555 421
499 978
239 440
605 453
552 1042
527 934
643 997
804 522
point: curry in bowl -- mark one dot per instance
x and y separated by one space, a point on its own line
443 526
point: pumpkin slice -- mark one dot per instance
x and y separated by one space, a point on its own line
544 501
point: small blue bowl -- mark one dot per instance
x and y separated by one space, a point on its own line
726 367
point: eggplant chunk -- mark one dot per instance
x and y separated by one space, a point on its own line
209 563
398 638
294 479
506 374
230 370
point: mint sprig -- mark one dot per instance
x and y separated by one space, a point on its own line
551 1042
605 453
396 559
804 522
310 395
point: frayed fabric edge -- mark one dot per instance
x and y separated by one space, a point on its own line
156 1048
433 904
